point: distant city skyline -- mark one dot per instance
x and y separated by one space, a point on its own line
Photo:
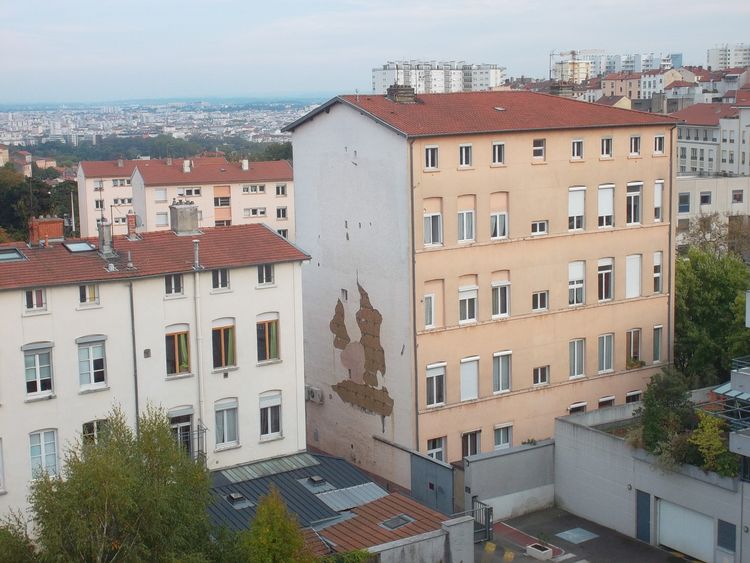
94 51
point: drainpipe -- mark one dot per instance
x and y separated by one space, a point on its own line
198 336
672 253
135 357
414 294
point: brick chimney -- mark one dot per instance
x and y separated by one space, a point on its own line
45 228
130 218
401 94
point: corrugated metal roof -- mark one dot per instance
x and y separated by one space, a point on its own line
727 391
265 468
344 499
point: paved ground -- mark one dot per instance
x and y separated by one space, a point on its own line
608 547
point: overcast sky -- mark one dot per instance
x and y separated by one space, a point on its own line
97 50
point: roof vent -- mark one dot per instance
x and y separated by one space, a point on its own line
498 108
245 164
186 166
238 501
316 480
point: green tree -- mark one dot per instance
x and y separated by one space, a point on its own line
665 411
15 544
124 497
711 440
709 314
274 536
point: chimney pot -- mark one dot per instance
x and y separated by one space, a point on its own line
186 166
245 164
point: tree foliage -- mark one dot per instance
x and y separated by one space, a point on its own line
719 234
711 440
709 314
15 544
665 410
124 497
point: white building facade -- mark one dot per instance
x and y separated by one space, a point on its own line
166 320
437 77
728 56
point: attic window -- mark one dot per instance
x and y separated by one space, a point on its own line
397 522
11 255
79 246
316 480
498 108
238 501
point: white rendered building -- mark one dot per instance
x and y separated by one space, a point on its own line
728 56
206 324
437 77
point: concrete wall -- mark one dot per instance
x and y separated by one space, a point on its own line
432 483
597 476
454 543
513 481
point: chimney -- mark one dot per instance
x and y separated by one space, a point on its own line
169 161
120 163
401 94
45 228
106 244
130 218
196 255
245 164
186 166
183 217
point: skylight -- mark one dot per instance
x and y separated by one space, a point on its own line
11 255
79 246
239 501
397 522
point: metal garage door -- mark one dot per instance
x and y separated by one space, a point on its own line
685 530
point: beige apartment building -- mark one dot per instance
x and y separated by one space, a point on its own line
481 264
622 84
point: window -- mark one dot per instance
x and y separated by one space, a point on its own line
467 305
433 228
222 340
658 197
605 402
503 437
160 194
539 227
576 149
178 351
577 408
705 198
280 190
606 352
173 284
576 205
281 213
633 348
469 378
500 300
633 276
268 340
265 274
36 299
606 147
464 155
255 189
93 430
182 429
606 198
436 448
223 223
635 145
659 144
283 232
270 415
189 192
632 397
633 204
38 368
99 204
43 449
91 365
435 385
540 300
657 272
254 212
498 153
470 443
431 158
222 201
429 310
738 196
576 273
605 279
220 278
683 202
537 150
501 366
575 357
541 375
498 225
162 220
657 343
465 226
226 422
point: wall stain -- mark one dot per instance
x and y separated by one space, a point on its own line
363 359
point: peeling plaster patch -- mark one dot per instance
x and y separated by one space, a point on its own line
368 398
369 320
338 327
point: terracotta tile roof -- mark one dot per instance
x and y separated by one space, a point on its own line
159 173
743 97
365 530
158 253
314 543
680 84
610 100
705 114
623 76
108 168
487 112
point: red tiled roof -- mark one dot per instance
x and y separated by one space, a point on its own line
610 100
743 97
365 530
158 253
623 76
680 84
159 173
314 543
705 114
487 112
108 168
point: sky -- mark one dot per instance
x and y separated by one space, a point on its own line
100 50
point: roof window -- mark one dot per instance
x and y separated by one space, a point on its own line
11 255
397 522
238 501
79 246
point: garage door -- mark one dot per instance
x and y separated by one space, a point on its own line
686 531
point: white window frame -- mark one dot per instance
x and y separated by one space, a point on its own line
658 200
608 399
498 153
576 208
466 295
281 190
606 206
657 344
540 296
44 446
162 219
500 290
281 214
606 353
466 225
464 379
35 300
502 372
605 148
268 402
541 226
633 210
221 409
437 451
266 274
465 155
577 358
658 279
430 220
632 337
538 149
220 279
170 287
86 366
605 279
576 284
633 276
506 432
540 375
576 149
160 195
431 157
35 352
435 382
659 144
577 407
635 145
477 434
429 310
496 233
